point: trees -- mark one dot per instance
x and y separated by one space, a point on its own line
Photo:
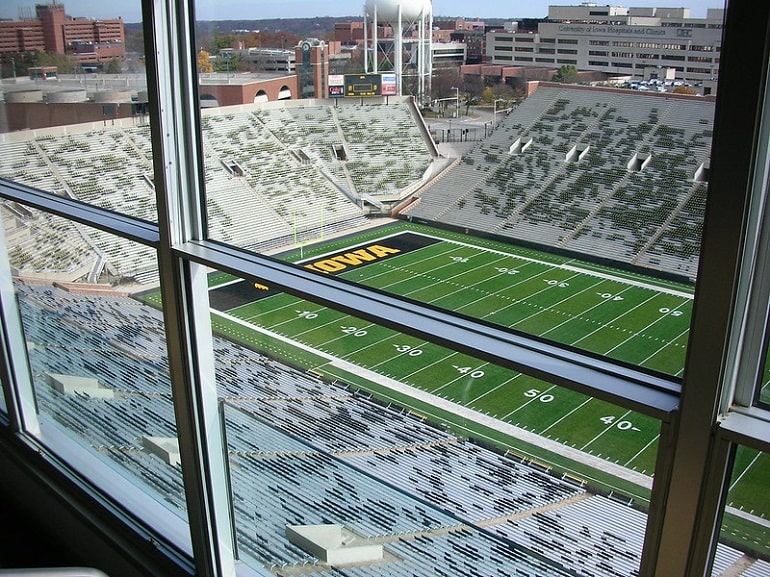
113 67
498 91
204 62
473 87
230 61
22 61
444 82
684 90
566 74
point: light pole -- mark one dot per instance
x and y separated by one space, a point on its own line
457 101
494 110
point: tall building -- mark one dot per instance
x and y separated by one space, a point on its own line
472 33
52 30
638 42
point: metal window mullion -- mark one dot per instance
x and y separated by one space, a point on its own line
16 376
688 486
745 361
711 511
749 427
199 429
90 215
176 145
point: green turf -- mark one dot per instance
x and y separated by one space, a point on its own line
532 293
620 314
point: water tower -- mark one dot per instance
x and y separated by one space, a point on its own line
408 52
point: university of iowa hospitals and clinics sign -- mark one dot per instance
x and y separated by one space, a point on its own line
619 30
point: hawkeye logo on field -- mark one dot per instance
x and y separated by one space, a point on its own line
358 257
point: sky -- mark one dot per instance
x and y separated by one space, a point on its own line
130 10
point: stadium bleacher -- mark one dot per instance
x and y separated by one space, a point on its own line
604 173
631 195
303 450
272 178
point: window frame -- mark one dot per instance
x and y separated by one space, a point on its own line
686 419
178 166
691 477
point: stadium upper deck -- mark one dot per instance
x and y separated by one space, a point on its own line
608 174
298 167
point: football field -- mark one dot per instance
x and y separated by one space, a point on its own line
620 314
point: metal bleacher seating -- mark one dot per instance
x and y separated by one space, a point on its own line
759 568
303 450
272 179
601 202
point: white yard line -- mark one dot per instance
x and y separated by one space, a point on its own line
463 412
567 267
746 470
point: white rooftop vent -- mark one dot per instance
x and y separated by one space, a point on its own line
702 173
518 146
576 153
638 162
333 544
73 385
167 448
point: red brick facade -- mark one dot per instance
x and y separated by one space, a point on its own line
247 92
90 41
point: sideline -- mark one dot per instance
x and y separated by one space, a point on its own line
496 424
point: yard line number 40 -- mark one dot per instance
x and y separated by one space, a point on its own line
609 420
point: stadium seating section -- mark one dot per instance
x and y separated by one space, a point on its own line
303 450
275 175
619 176
609 174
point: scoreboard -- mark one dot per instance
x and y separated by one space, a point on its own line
361 85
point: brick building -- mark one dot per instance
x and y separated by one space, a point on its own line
52 30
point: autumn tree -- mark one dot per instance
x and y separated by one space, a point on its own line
500 91
261 39
684 90
204 62
223 41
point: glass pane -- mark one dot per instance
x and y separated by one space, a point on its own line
762 393
74 117
99 364
745 535
763 388
569 212
447 462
